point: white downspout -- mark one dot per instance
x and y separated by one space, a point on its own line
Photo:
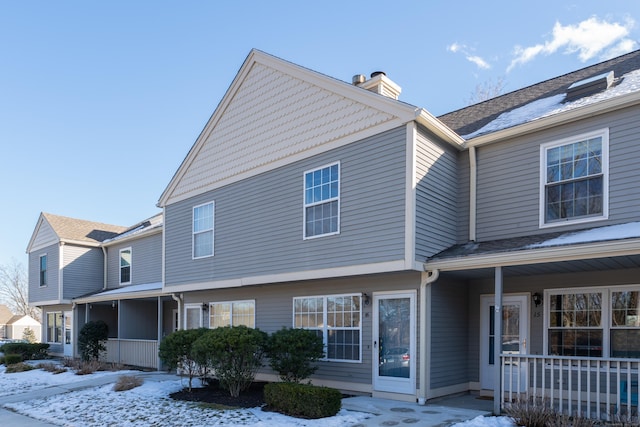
425 330
178 299
473 170
104 268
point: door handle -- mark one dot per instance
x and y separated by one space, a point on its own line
375 344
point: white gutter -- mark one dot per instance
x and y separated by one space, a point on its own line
425 330
539 255
178 299
473 170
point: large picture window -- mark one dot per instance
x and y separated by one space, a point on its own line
203 230
594 322
337 319
54 327
232 313
322 201
574 179
125 266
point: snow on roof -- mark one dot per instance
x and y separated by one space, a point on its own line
592 79
546 107
130 289
611 232
147 225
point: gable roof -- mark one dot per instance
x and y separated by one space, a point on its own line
275 113
72 230
471 119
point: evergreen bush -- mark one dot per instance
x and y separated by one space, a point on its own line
291 352
91 340
303 400
234 353
12 359
176 351
26 350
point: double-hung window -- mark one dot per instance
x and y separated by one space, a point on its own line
203 230
125 266
54 327
594 322
43 270
232 313
322 201
574 179
337 319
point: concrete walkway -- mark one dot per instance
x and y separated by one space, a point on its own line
383 412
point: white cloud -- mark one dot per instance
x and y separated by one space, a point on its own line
588 39
467 52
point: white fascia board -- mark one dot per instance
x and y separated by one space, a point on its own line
539 256
48 302
579 113
329 273
429 121
404 112
122 296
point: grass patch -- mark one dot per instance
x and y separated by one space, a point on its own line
18 367
127 382
51 367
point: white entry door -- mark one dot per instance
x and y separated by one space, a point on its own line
68 333
515 332
394 342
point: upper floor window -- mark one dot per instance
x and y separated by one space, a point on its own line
322 201
337 319
232 313
203 230
574 179
43 270
125 266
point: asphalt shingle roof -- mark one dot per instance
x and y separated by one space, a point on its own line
82 230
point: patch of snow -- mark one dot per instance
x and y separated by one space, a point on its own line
553 105
487 422
611 232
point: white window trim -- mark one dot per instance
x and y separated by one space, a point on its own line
61 327
197 306
120 266
325 327
212 229
252 301
604 133
606 311
46 272
305 205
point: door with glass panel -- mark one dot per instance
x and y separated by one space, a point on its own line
515 330
394 342
68 333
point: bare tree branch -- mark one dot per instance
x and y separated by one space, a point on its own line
487 90
14 289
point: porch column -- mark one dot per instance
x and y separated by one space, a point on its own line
497 342
160 317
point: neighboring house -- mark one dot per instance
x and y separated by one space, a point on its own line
404 240
5 316
15 327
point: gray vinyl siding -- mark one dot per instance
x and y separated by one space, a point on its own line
146 261
463 197
274 310
508 177
50 291
259 221
436 195
82 271
449 336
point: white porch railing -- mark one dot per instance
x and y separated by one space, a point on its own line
591 387
143 353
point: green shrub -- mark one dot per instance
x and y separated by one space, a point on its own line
291 352
91 339
27 350
303 400
12 359
28 335
176 351
234 353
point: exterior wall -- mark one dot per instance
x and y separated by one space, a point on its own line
49 292
436 195
449 337
16 330
463 176
274 310
146 261
508 178
82 271
259 221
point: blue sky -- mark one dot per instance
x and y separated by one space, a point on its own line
101 101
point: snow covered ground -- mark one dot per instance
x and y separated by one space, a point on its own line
150 404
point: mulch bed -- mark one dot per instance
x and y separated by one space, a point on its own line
249 398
